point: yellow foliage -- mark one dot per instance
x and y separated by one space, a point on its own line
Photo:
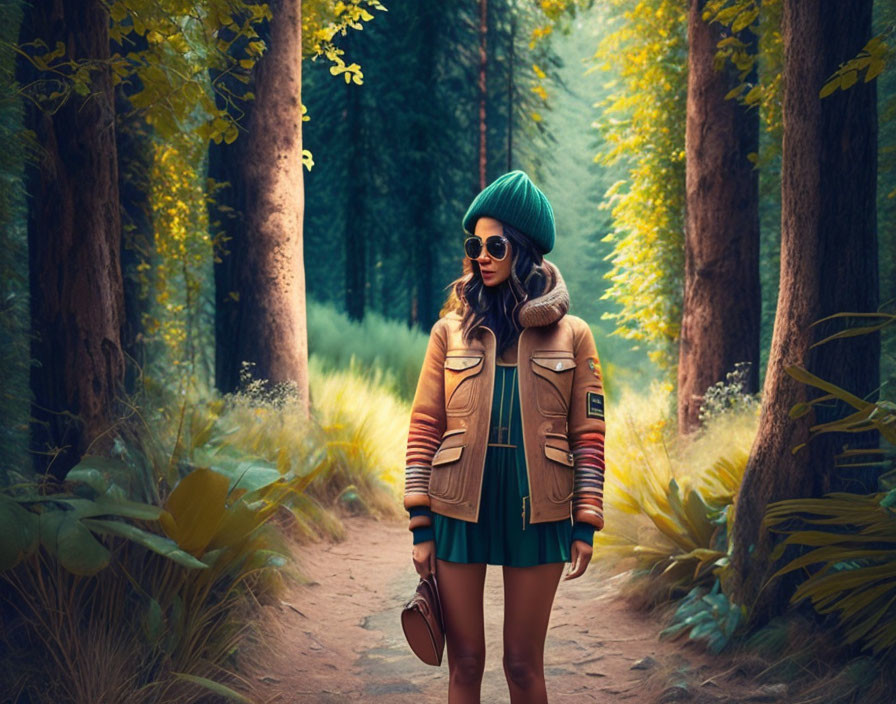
657 486
871 59
366 421
195 509
183 248
764 19
184 46
357 422
642 127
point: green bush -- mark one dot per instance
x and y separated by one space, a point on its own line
377 346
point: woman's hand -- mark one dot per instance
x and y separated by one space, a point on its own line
580 556
425 557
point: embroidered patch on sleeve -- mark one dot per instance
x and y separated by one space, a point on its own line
594 405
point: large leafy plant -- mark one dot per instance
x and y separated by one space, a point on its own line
169 570
708 616
850 537
668 512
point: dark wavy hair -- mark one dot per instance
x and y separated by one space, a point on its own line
497 307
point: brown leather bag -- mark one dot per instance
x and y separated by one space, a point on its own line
421 620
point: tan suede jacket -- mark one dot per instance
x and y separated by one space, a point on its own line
561 410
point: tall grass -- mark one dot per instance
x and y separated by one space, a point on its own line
140 627
666 499
357 421
377 346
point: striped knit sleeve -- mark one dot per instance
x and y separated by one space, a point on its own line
587 429
426 426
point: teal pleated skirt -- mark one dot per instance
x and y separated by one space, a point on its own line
503 534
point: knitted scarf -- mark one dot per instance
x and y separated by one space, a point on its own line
551 305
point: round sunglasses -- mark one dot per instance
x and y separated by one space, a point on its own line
496 246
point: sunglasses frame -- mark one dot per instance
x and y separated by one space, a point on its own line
484 245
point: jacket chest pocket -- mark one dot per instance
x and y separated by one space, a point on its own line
461 373
560 468
445 481
553 381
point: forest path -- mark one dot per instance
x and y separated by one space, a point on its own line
338 638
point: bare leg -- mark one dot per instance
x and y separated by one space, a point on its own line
460 589
528 598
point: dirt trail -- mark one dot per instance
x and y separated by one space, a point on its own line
339 638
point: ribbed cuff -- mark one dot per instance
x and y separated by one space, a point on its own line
422 533
583 531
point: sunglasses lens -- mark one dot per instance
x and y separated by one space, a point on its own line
496 247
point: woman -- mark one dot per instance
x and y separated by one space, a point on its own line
505 450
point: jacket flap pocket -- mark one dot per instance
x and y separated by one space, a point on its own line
555 364
561 439
461 363
561 455
447 454
454 431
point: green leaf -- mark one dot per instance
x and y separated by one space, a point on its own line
152 621
874 70
848 80
829 87
110 506
744 19
807 377
799 410
19 533
66 537
86 475
156 543
102 473
753 95
736 91
250 476
213 686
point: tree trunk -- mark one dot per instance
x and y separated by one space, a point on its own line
228 228
135 159
722 300
74 236
272 322
828 265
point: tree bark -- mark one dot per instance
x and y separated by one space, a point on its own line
227 222
722 300
135 159
74 236
828 265
272 320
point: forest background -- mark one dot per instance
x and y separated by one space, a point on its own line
226 233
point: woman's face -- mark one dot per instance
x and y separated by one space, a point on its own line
493 272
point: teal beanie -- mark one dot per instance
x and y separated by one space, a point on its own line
515 200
